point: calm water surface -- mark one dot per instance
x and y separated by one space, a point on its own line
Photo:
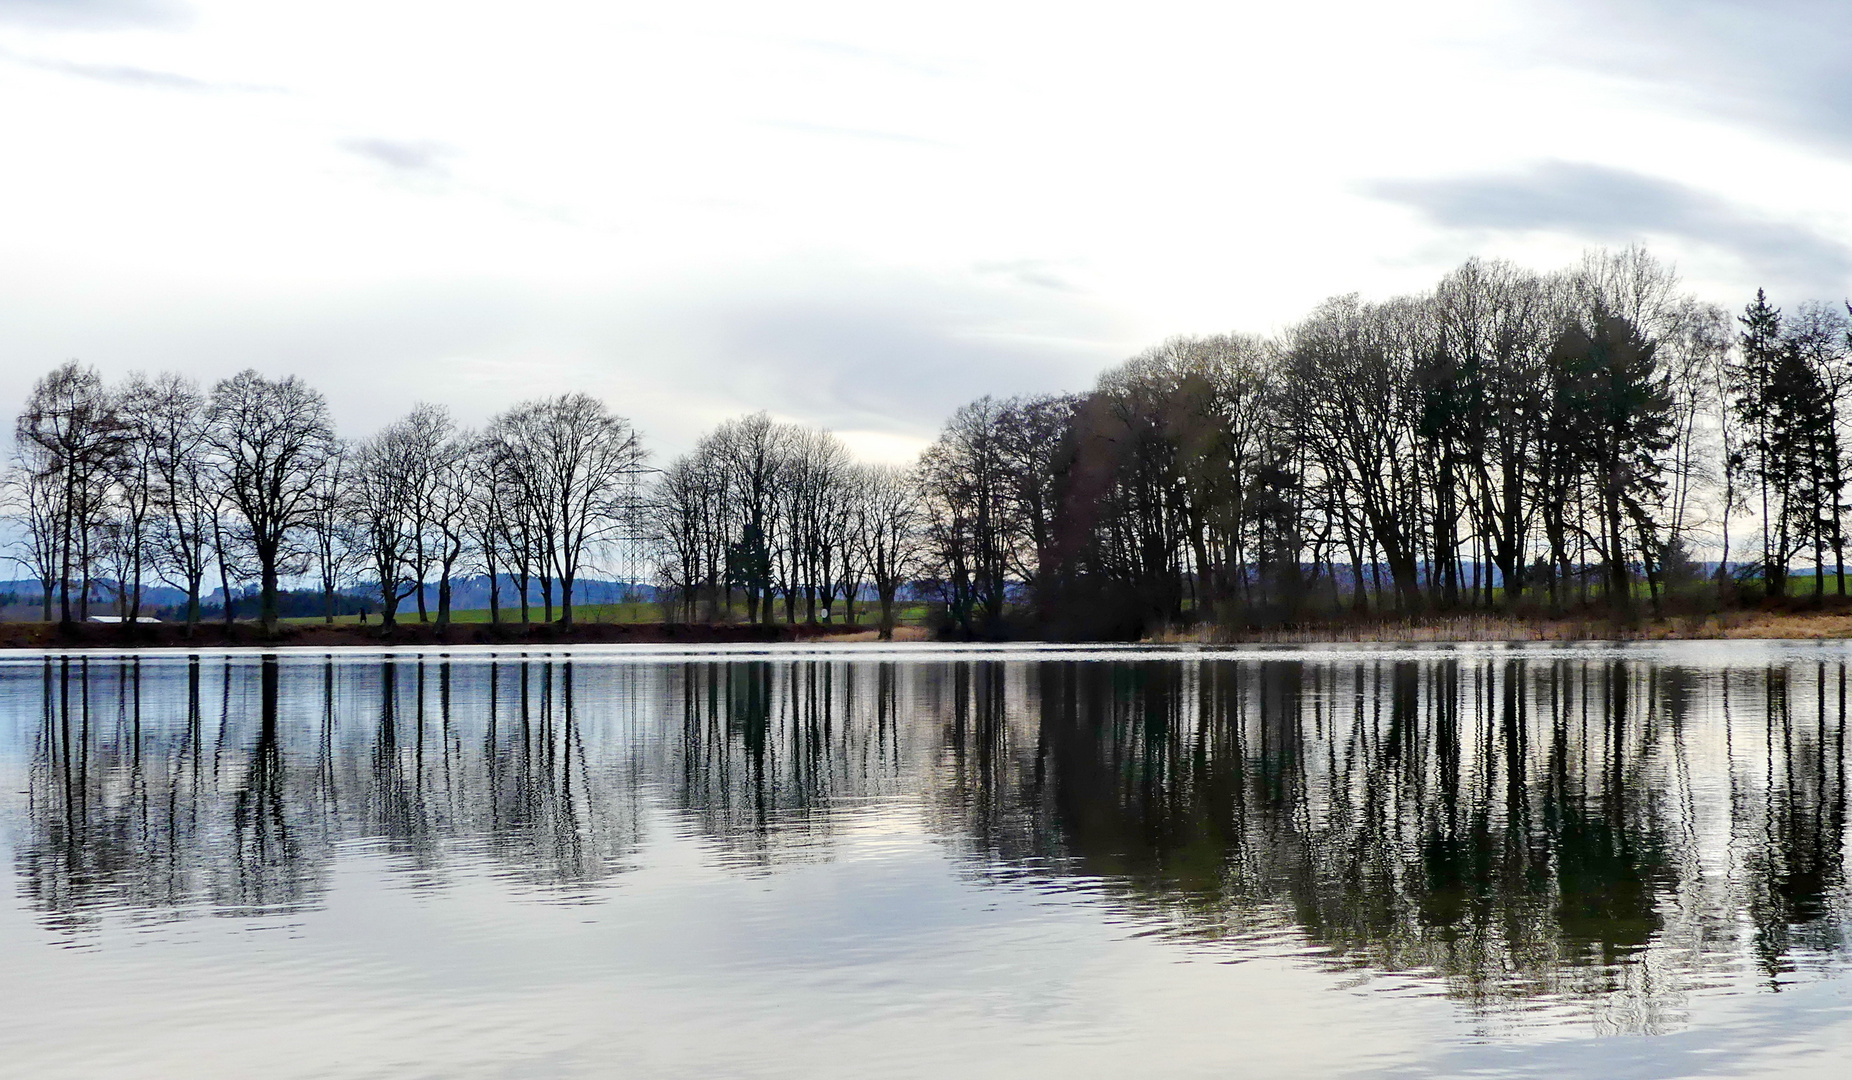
1577 861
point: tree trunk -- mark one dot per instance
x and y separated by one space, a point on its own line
267 600
1819 565
83 595
64 561
135 601
1620 587
225 588
1359 599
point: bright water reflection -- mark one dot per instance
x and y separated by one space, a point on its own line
1440 860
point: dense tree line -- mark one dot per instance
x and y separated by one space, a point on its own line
1507 438
160 481
773 515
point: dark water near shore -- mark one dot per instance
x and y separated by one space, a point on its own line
1540 861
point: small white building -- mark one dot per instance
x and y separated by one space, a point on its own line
123 619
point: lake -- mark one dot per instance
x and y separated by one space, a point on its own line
1500 861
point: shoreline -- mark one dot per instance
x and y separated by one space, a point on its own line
106 636
1830 623
1760 624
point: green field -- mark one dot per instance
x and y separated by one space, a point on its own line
585 613
641 612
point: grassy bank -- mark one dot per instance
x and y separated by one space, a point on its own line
628 614
1790 619
612 614
316 635
1833 620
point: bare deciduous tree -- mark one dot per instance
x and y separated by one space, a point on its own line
36 493
381 499
174 417
337 546
888 532
70 420
271 441
578 465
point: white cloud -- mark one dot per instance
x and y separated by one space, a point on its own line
851 214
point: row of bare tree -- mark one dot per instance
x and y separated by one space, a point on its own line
765 511
156 480
1505 438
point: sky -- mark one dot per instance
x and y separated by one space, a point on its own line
859 215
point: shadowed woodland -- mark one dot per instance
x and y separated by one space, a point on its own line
1512 441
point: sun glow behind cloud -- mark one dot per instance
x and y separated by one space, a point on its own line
852 215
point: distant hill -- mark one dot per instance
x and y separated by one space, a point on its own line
19 600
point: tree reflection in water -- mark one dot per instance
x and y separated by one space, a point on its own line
171 814
772 758
1522 830
1514 829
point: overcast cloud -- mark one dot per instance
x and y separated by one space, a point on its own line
1772 63
94 14
1617 207
858 215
